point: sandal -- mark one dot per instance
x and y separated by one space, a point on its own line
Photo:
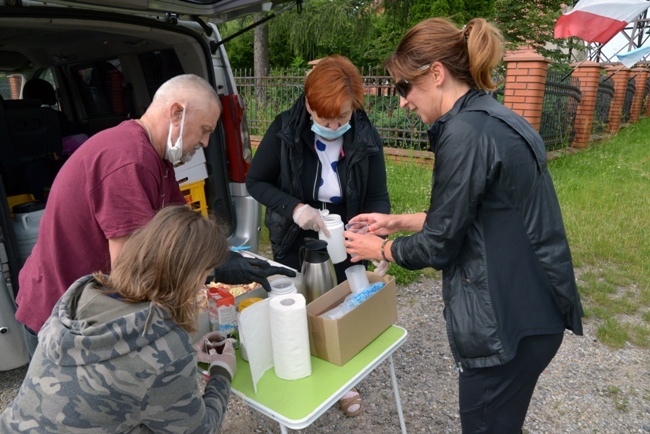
351 403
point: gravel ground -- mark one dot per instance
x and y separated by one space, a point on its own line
588 388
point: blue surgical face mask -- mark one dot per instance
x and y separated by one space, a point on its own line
328 133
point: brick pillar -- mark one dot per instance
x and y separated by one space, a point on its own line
647 105
525 82
640 75
15 84
588 73
619 79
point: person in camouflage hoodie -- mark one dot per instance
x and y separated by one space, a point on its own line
115 355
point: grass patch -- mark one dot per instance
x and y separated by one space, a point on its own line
621 402
409 188
604 192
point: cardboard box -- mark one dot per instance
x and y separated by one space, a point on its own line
197 158
337 341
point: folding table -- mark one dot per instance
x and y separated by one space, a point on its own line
297 404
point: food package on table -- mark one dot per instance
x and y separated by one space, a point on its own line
235 290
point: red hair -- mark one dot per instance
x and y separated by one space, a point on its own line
332 82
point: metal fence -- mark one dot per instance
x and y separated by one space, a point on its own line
604 99
559 109
398 127
646 91
627 104
268 95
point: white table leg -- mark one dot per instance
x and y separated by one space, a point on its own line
398 401
283 429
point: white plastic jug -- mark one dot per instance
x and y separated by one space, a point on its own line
27 218
282 286
336 241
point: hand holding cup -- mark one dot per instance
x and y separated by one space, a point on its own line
357 228
213 341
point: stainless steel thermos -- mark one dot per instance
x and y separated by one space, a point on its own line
318 275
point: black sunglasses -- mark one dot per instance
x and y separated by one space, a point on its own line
403 87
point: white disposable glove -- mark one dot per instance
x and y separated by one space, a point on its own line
309 218
224 361
381 267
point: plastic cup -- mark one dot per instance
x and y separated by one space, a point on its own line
216 343
357 278
357 227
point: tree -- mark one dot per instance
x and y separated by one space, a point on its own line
240 49
407 13
261 55
324 27
532 23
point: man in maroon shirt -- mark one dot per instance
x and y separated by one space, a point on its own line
111 186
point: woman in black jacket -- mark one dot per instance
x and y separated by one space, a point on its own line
493 226
322 154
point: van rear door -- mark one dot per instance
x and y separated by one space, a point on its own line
217 11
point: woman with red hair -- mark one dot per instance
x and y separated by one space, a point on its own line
321 154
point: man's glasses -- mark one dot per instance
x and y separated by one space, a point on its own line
403 87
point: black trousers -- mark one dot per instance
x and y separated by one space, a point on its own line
495 400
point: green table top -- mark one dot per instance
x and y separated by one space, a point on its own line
297 403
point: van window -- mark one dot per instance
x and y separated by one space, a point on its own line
158 67
5 87
11 85
102 88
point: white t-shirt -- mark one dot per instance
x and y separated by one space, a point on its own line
329 152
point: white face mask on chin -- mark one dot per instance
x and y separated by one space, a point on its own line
174 151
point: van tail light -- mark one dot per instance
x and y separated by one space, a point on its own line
238 142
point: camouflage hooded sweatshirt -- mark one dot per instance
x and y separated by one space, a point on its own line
104 366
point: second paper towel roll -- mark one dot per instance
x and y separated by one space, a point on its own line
290 336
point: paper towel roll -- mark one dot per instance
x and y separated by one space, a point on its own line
290 336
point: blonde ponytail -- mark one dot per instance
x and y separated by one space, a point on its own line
485 51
